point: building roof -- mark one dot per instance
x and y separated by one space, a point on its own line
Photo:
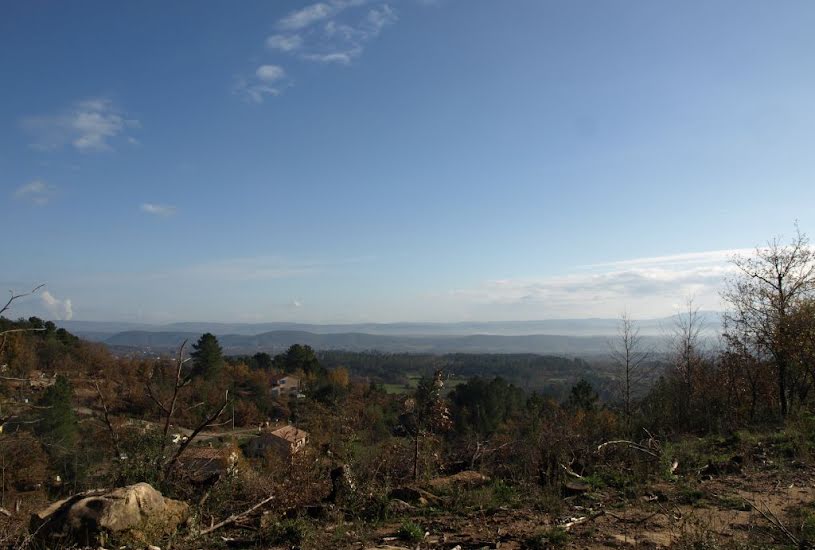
290 433
204 453
278 377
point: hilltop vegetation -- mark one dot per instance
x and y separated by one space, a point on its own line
705 449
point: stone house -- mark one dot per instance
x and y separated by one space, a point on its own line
287 441
285 385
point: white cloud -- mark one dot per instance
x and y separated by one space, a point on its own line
88 126
315 33
270 73
36 191
164 210
342 58
646 286
334 40
59 309
309 15
341 42
253 91
711 256
284 42
379 18
296 304
265 82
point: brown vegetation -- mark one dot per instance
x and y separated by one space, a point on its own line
716 453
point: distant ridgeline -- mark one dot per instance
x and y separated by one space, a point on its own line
280 340
577 337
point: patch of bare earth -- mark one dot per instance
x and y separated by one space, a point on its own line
725 509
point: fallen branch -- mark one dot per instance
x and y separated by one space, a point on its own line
584 519
630 445
571 472
233 518
773 520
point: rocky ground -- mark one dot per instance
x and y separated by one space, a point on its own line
725 505
746 495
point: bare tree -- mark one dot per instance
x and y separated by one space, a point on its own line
168 409
114 435
686 349
630 356
746 363
15 297
762 300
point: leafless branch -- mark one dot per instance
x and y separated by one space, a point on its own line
114 435
14 297
773 520
630 445
234 518
203 425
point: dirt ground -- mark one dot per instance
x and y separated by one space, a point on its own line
726 512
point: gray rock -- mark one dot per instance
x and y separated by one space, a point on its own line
138 512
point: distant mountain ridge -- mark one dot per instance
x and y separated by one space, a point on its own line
275 341
565 327
555 336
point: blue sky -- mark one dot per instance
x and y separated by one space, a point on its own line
353 160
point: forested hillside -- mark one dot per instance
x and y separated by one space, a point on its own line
338 448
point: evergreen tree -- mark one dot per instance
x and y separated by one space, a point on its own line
207 357
299 357
57 423
583 396
261 360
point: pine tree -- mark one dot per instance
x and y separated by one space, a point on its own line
207 357
57 423
582 396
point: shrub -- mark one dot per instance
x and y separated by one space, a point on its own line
410 532
292 532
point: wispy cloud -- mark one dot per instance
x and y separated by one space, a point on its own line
164 210
335 41
307 16
328 32
36 191
90 125
269 73
266 81
284 42
656 285
331 32
58 309
708 257
342 58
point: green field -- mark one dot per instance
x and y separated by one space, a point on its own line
413 382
